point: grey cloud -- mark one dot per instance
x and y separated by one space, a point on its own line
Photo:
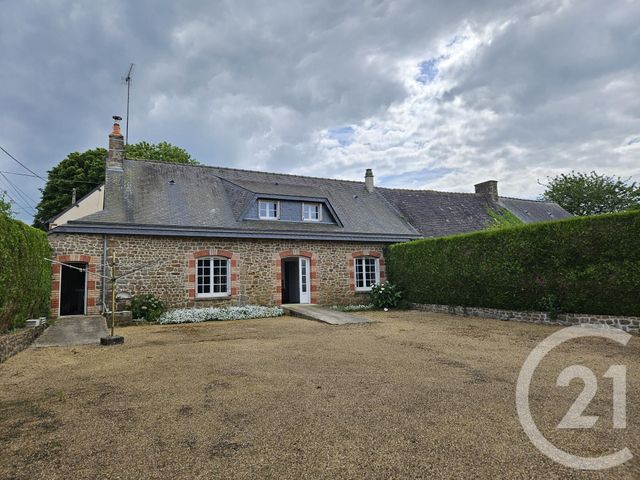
254 84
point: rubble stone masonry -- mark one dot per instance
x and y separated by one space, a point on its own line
169 267
628 324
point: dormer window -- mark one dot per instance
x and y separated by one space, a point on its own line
311 212
268 209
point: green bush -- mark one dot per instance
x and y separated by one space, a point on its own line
551 304
147 306
579 265
25 275
385 295
353 308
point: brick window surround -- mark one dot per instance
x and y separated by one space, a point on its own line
92 294
351 261
313 274
190 277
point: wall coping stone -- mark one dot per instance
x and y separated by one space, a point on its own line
15 342
627 324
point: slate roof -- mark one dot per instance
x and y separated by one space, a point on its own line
157 198
530 211
437 214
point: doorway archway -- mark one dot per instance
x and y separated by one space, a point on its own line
73 289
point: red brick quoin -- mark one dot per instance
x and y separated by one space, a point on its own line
93 293
351 266
190 277
313 274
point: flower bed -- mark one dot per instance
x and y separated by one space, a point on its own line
196 315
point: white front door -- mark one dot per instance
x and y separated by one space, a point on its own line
305 285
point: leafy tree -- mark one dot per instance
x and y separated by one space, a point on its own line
591 193
5 206
85 171
162 152
82 171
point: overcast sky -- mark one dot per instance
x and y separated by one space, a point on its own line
430 94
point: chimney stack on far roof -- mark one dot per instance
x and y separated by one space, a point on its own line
115 160
368 180
488 188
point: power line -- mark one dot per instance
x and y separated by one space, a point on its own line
14 202
70 180
22 164
73 180
16 173
27 199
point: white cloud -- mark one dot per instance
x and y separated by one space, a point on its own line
513 91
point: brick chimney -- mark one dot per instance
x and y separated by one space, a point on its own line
115 160
368 180
488 188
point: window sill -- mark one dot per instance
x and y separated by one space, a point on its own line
363 290
217 297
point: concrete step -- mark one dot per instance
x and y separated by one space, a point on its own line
73 330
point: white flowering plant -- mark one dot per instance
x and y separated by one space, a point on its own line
385 295
197 315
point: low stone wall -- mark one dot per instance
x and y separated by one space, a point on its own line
13 343
628 324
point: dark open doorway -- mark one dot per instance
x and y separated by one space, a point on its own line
72 290
290 280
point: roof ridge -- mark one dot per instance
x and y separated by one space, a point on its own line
424 190
318 178
528 199
242 170
418 190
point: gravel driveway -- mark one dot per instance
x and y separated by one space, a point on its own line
414 395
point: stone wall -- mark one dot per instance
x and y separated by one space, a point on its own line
628 324
255 266
13 343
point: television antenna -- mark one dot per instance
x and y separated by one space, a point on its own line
127 80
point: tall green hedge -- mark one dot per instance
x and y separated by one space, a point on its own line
581 265
25 277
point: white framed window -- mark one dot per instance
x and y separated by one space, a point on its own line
311 212
268 209
367 273
213 277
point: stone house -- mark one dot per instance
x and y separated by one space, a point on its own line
204 236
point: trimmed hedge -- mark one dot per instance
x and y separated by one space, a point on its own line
25 277
578 265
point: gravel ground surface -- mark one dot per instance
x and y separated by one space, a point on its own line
416 395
